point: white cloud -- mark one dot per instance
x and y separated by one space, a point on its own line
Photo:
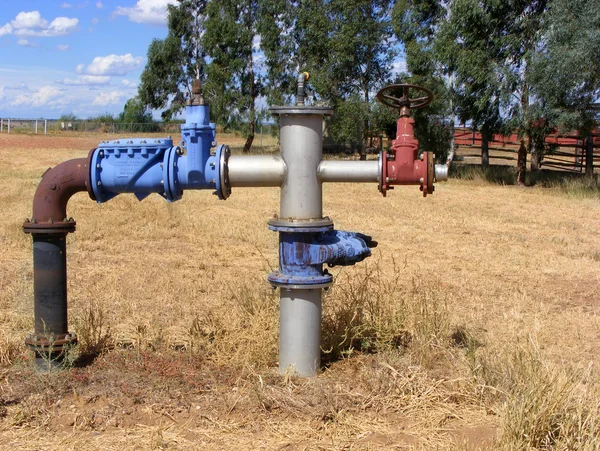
67 5
33 24
1 93
99 5
152 12
5 29
26 43
112 65
108 98
129 83
45 96
62 47
31 20
86 80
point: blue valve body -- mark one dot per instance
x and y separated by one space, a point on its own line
149 165
304 251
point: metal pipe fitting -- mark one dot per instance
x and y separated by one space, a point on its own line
301 140
300 94
303 252
148 165
441 172
349 171
57 186
255 170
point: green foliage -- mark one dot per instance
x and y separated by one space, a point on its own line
233 84
135 112
417 24
69 117
351 56
175 61
345 126
105 118
566 69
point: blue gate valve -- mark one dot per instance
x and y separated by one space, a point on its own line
149 165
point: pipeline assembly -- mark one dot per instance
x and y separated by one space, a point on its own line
307 238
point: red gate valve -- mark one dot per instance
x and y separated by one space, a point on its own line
402 166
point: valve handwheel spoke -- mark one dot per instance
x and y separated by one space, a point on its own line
387 97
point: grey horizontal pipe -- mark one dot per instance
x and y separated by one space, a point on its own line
256 170
348 171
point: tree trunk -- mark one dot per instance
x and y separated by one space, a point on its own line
535 160
252 118
485 149
522 158
522 163
589 156
365 126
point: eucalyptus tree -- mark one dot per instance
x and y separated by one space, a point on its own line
489 45
345 45
567 67
417 25
464 47
175 61
361 55
232 42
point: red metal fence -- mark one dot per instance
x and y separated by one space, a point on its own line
568 152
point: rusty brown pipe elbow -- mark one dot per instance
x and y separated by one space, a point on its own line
57 186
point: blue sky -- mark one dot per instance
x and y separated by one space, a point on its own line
79 56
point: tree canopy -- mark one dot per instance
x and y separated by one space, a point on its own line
498 65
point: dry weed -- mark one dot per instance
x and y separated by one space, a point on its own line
419 354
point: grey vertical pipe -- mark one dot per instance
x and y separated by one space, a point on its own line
8 125
45 126
36 124
300 331
301 138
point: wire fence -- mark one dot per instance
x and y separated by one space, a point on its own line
53 126
57 126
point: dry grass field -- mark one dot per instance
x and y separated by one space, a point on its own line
474 325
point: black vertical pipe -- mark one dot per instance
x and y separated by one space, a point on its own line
50 284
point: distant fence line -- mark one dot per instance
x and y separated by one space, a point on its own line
568 152
38 126
45 126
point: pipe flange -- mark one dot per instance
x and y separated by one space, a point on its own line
223 186
381 177
49 228
295 225
170 180
53 343
430 175
313 286
301 109
278 279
